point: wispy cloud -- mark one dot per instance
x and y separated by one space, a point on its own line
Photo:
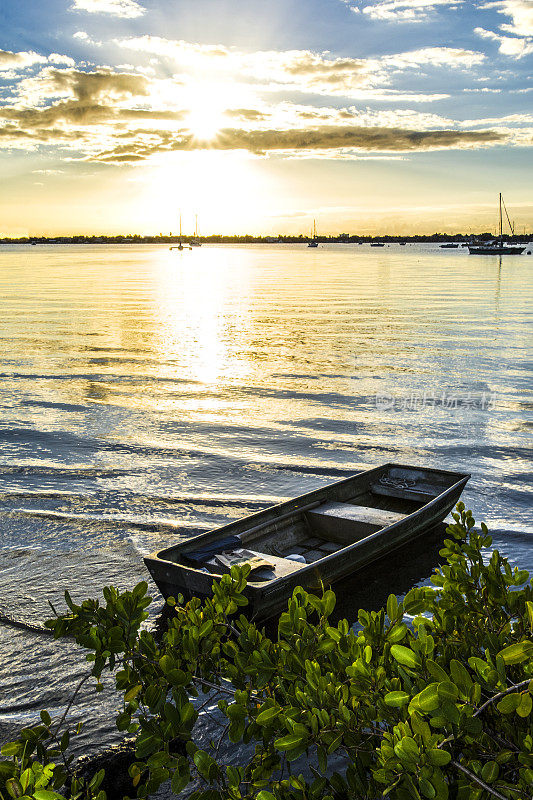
454 57
128 9
301 70
401 10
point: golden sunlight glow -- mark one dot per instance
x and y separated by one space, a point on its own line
208 101
203 321
227 190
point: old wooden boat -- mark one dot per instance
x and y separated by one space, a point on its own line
315 539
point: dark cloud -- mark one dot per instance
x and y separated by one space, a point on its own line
85 86
311 64
326 138
84 113
329 137
248 114
8 57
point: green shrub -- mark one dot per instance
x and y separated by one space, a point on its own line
430 698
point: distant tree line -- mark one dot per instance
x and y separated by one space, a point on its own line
343 238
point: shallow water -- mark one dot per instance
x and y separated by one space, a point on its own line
149 394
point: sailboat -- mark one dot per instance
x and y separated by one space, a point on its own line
181 246
498 247
314 240
195 242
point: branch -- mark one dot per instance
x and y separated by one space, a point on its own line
253 696
479 782
234 630
69 706
502 694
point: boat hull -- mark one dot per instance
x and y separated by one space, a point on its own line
268 598
495 251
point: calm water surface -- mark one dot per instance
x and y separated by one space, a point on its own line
149 394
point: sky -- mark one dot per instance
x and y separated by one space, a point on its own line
245 116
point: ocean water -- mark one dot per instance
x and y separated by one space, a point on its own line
149 394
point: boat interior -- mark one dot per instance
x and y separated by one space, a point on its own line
296 534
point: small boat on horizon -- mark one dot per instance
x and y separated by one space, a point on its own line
195 241
314 239
312 540
181 246
498 247
448 246
377 244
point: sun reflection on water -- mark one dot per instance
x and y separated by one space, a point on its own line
202 315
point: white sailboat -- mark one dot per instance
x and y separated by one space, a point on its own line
314 240
498 247
195 242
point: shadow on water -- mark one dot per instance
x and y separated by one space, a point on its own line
395 573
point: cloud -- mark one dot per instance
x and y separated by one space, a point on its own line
247 114
360 138
84 113
15 61
514 119
98 83
402 10
521 13
508 45
302 70
436 57
219 98
85 87
83 36
128 9
325 139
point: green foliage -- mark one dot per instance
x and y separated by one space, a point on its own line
28 770
429 698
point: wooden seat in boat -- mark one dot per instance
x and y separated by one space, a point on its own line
279 567
344 522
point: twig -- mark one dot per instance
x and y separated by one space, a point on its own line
69 706
502 694
231 627
198 678
226 728
477 780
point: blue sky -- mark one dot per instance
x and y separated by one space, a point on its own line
367 114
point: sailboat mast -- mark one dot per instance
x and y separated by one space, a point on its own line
501 220
196 225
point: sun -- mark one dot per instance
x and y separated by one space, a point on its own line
208 102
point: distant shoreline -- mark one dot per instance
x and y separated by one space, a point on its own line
436 238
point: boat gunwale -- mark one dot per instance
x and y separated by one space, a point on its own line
354 545
258 586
